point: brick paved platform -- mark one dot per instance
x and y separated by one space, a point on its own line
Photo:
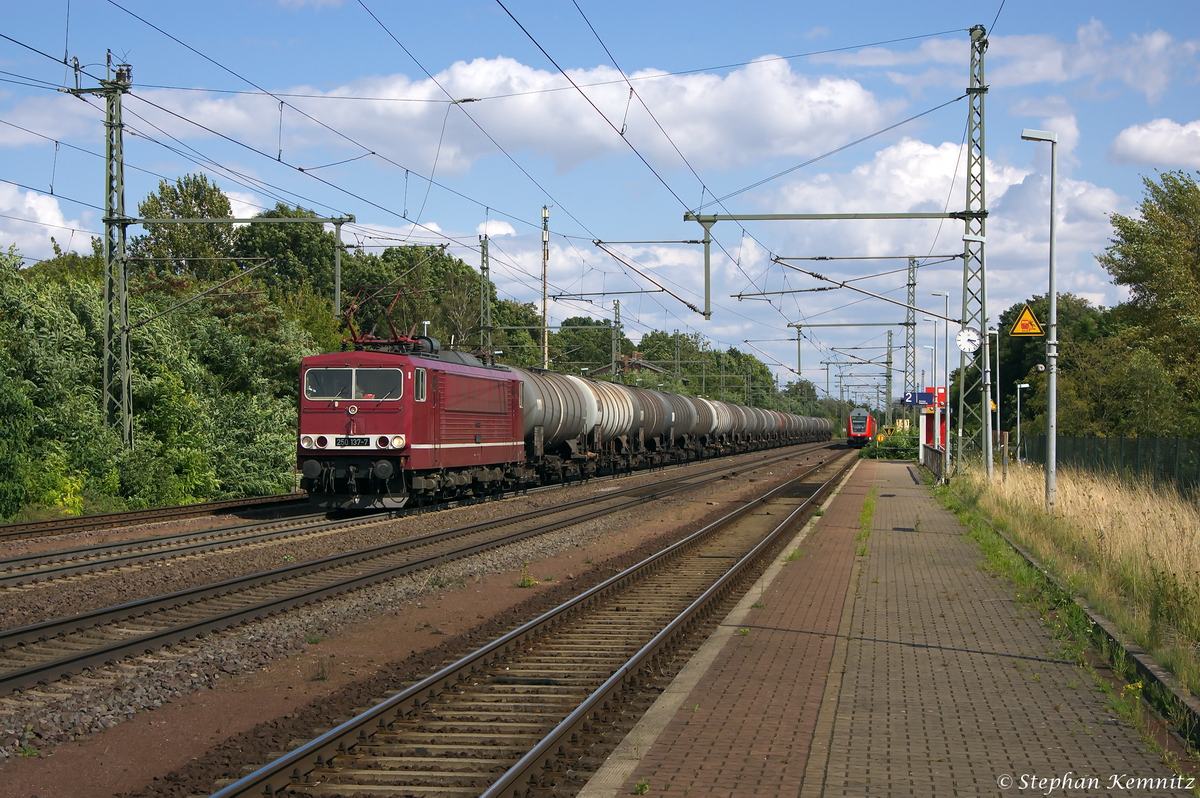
908 670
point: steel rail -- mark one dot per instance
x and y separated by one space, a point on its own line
37 673
294 770
535 767
43 566
61 563
60 526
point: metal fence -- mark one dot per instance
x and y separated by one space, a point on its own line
1159 460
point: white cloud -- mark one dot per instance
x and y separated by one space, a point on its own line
930 78
243 204
38 218
1162 142
946 51
761 110
1145 63
59 117
915 176
494 227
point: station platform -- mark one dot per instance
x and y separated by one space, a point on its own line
905 670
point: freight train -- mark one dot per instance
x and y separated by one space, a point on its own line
401 422
860 428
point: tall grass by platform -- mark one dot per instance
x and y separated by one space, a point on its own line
1132 551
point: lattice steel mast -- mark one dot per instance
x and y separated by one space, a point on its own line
485 297
910 331
974 375
115 388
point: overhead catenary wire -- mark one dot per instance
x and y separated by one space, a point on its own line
835 151
551 89
666 135
310 117
462 107
459 244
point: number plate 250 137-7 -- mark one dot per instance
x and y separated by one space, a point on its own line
351 441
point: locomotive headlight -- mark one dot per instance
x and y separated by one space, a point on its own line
306 442
397 441
382 442
322 441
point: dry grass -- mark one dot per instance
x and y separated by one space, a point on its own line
1133 552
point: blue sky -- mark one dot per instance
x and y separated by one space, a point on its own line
722 98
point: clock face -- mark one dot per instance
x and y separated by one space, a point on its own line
968 339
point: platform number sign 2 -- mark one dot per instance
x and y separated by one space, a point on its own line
923 398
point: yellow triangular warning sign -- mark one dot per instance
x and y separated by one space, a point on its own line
1026 324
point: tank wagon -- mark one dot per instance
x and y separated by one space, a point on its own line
401 422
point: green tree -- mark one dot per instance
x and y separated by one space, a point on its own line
1080 324
1157 256
184 250
301 253
521 346
1111 387
70 265
585 342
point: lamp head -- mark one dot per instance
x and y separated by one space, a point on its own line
1039 135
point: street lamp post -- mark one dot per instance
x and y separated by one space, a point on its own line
996 332
1019 387
933 371
1052 333
946 374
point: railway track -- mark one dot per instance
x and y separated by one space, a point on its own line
40 567
44 652
62 526
522 714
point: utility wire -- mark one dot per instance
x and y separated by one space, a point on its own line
583 94
56 196
460 105
624 79
667 136
847 146
47 224
314 119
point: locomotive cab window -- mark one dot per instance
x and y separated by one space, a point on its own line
328 383
419 385
378 384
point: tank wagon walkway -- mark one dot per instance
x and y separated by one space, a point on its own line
906 671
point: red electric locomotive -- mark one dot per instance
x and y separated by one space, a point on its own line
860 428
368 419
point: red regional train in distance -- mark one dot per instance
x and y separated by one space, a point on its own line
398 422
860 428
